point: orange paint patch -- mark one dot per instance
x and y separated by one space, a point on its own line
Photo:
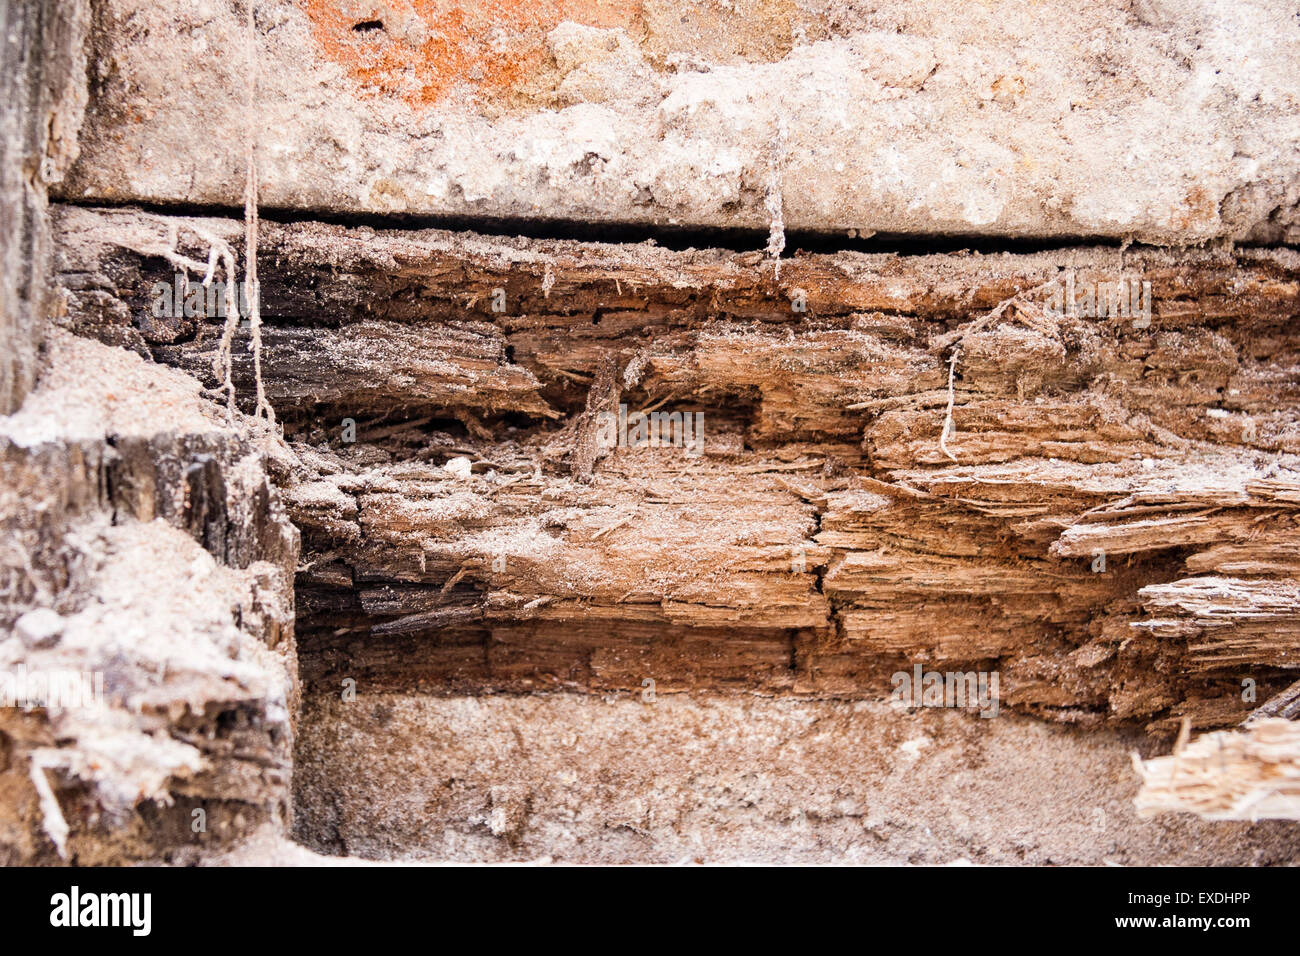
418 50
1202 210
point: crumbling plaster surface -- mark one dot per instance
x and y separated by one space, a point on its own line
1162 120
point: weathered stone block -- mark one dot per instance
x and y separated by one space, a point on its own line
1170 121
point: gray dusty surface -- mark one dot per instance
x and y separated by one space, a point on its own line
730 778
